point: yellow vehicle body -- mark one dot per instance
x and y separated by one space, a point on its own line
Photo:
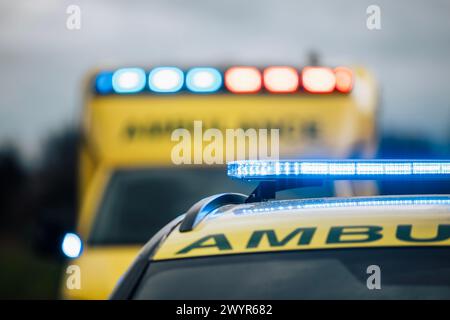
100 269
292 225
219 246
134 131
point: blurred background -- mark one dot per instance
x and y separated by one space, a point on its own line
43 65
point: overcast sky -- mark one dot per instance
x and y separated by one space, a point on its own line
42 63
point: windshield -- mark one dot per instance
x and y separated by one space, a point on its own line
405 273
137 203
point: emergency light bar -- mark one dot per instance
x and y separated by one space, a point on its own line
274 176
238 80
267 170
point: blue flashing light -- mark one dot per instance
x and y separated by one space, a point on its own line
128 80
339 169
103 82
289 205
166 80
72 245
203 80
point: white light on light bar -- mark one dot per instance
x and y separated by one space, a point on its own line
203 80
128 80
166 80
71 245
338 169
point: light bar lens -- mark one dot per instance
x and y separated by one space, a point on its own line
339 169
307 204
103 82
281 79
243 80
166 80
128 80
344 79
71 245
203 80
318 79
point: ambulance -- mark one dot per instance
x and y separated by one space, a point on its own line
233 246
129 184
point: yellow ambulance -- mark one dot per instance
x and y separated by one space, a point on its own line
129 183
232 246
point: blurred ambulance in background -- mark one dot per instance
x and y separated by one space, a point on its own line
127 177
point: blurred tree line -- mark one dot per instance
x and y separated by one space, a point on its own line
37 202
37 206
